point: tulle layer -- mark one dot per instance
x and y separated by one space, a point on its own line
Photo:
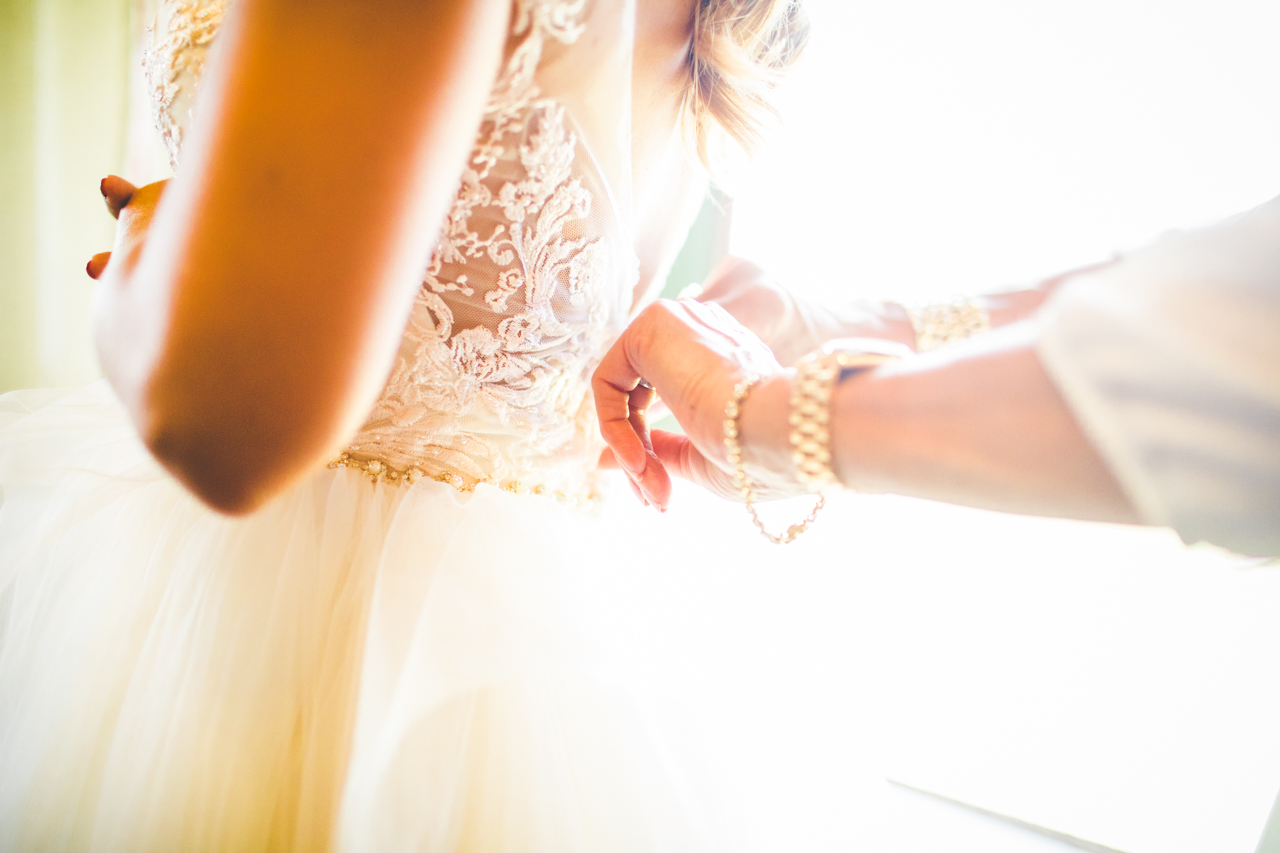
359 666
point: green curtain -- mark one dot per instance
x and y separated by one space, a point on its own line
65 82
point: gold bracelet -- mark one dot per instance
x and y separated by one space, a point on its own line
947 322
732 416
816 377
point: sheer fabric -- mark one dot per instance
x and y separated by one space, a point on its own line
1170 361
363 667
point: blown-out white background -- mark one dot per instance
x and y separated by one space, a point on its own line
1099 680
938 146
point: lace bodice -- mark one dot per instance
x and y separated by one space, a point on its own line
530 280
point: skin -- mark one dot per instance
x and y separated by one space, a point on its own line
790 327
249 328
979 424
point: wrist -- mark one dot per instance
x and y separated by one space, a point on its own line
897 326
765 434
1012 307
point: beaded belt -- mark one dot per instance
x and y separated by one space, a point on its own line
377 470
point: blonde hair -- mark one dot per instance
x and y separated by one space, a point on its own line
739 52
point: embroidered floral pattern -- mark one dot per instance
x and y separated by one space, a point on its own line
523 292
180 36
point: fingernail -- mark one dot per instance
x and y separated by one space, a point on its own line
88 269
102 187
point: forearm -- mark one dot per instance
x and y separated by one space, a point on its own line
811 324
254 330
792 325
892 321
979 424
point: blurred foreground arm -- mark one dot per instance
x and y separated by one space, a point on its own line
253 329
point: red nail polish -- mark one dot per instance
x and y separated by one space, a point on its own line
88 270
102 187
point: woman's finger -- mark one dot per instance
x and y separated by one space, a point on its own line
628 449
97 264
116 191
654 481
679 456
608 462
612 384
621 398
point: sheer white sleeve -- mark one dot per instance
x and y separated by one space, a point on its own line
1170 360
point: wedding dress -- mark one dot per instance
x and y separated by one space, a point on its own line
424 645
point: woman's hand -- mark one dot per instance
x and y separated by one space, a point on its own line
691 355
790 325
133 207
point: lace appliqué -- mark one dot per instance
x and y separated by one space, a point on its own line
517 231
174 64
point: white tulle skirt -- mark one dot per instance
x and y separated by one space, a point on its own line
361 667
355 666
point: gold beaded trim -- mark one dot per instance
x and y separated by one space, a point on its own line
947 322
376 469
810 438
732 413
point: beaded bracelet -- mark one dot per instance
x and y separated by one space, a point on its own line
947 322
